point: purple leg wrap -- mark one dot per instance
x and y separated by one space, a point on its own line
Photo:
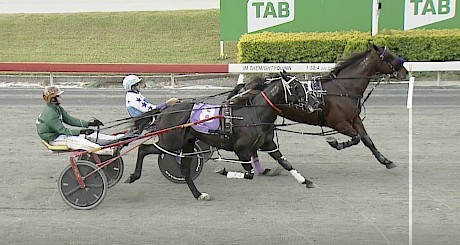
256 164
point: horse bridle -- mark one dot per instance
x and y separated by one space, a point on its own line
389 59
287 91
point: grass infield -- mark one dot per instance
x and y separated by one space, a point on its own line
185 37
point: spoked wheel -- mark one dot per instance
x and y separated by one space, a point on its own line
170 165
113 171
83 198
201 146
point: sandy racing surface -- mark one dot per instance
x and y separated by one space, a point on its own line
357 201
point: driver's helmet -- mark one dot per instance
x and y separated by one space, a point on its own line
50 92
129 81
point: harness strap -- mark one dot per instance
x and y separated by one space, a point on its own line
273 106
370 92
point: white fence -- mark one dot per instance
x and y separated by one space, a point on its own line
172 69
325 67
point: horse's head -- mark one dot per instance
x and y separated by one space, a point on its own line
389 63
294 92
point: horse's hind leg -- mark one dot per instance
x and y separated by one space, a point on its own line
246 163
264 171
143 151
185 170
347 129
276 154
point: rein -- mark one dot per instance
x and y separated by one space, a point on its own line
330 132
273 106
206 97
127 120
323 133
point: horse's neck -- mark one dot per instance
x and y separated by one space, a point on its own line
276 96
356 77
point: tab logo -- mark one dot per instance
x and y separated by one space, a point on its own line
267 13
419 13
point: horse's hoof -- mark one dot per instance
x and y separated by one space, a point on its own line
204 197
249 175
220 170
273 172
131 179
310 185
390 165
332 141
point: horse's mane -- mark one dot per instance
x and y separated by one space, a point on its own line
252 88
257 83
348 62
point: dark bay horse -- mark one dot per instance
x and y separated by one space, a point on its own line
252 129
342 102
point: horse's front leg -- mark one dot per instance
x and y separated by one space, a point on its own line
282 160
185 170
142 151
358 125
380 157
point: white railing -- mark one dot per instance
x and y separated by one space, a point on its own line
325 67
207 68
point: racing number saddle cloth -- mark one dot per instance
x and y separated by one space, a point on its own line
202 111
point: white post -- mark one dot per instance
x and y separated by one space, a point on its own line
438 81
410 93
172 80
222 50
51 79
375 17
240 79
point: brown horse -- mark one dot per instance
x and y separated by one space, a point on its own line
341 105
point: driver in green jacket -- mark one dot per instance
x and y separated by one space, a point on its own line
50 126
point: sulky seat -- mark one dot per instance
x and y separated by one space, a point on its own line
55 147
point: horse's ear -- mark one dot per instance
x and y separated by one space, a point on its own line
371 46
283 75
375 47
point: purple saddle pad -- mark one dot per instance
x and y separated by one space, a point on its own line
203 111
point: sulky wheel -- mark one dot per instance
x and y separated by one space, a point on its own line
170 168
113 171
82 198
201 146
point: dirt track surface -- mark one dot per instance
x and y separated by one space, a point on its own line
357 201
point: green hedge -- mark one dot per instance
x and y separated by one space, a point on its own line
414 45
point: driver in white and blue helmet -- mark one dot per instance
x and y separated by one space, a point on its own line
136 103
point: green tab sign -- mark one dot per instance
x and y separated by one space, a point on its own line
249 16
